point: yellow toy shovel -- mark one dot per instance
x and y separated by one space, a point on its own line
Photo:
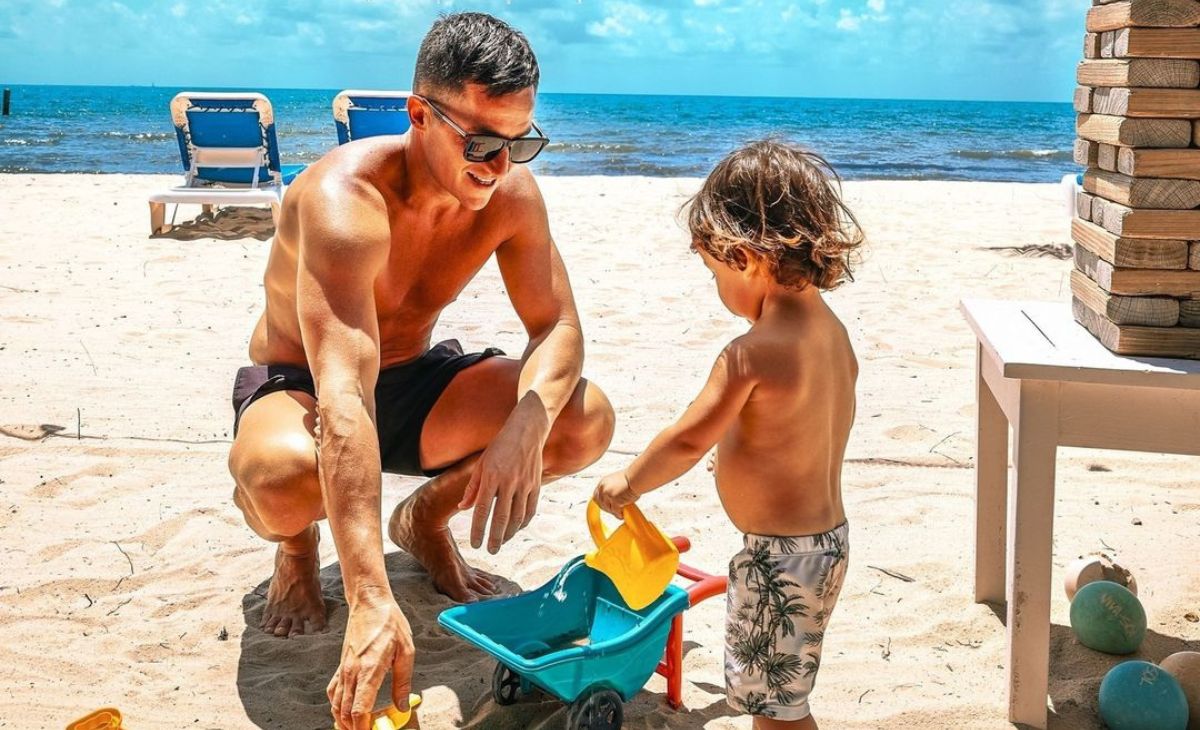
106 718
389 718
637 557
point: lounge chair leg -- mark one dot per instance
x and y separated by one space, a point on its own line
158 216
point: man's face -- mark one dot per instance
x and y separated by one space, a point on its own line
509 116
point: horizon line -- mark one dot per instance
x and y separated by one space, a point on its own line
572 93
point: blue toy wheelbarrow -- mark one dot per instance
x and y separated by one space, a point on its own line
576 639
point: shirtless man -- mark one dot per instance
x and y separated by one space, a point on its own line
373 242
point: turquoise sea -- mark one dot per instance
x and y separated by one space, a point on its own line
106 129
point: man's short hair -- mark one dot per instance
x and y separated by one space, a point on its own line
475 48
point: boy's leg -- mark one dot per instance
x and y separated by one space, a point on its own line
766 723
274 466
465 419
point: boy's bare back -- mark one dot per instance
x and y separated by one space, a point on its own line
779 466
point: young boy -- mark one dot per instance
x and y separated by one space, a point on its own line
770 225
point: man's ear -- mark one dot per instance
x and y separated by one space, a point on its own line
418 113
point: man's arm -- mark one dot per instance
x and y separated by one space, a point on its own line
510 472
344 243
678 447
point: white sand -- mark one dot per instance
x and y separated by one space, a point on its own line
123 561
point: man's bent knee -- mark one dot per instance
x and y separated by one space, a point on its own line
582 432
279 479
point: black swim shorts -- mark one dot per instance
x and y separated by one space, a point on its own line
404 396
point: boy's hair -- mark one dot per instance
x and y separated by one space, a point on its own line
474 48
783 204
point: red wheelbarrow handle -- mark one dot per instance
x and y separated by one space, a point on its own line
703 586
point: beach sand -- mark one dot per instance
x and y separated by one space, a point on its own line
127 577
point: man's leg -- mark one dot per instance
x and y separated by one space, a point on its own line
274 465
467 416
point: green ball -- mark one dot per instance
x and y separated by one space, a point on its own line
1108 618
1137 695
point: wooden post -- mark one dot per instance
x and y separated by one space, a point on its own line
7 99
1030 526
991 488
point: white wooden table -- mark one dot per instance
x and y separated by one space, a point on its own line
1056 385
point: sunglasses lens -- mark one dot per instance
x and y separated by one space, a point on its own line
482 147
524 150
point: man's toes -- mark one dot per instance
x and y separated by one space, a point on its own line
283 627
268 622
481 586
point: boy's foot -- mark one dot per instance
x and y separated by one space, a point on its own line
294 602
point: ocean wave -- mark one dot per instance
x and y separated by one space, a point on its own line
591 147
25 142
1049 155
140 136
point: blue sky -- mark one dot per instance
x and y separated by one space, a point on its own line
922 49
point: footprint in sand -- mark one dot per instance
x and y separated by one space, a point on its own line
30 432
908 432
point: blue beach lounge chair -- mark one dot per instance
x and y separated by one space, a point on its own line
358 114
229 152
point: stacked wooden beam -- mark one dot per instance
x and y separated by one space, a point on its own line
1136 283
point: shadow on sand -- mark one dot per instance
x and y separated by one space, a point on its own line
1077 671
227 224
282 682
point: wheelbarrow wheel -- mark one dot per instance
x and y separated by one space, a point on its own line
597 709
506 685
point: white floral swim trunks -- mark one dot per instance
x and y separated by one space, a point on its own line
781 593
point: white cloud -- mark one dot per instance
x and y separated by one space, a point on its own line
877 5
849 21
610 27
178 10
622 20
707 3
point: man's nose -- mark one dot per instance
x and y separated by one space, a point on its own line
499 164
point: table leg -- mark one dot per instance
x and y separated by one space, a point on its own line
991 489
1030 540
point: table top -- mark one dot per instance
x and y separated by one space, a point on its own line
1042 341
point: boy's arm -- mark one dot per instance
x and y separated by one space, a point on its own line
678 447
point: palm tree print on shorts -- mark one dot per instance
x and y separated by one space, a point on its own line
783 600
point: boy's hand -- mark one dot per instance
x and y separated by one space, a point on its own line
614 494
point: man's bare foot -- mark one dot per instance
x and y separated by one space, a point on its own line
294 602
420 528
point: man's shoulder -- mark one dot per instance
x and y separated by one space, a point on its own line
519 192
346 174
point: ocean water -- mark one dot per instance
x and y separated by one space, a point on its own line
106 129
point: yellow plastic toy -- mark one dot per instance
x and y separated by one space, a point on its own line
106 718
637 557
389 718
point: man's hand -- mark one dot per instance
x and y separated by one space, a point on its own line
378 639
614 494
509 474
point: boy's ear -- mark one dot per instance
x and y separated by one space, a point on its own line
754 262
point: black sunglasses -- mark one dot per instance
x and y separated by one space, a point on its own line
485 147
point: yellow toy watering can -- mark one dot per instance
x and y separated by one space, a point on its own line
637 557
